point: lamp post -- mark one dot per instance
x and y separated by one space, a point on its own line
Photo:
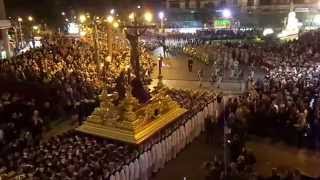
160 77
30 19
161 17
162 33
110 20
20 31
4 31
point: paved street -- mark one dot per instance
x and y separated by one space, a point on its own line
175 74
190 162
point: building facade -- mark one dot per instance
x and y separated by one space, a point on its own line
242 4
4 26
262 13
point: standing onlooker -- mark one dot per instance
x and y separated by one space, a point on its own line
200 76
190 64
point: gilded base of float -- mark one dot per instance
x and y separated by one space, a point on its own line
129 121
136 136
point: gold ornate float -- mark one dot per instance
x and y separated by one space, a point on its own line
130 121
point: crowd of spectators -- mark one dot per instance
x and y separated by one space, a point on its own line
59 80
75 155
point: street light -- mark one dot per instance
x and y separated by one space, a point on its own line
82 18
63 13
30 18
112 11
115 24
161 15
110 19
226 13
20 31
35 27
148 16
131 16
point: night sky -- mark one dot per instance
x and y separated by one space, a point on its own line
49 11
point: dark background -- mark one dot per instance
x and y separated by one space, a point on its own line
49 11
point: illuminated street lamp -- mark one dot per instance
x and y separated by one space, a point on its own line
226 13
131 16
161 15
82 18
115 24
30 18
148 16
112 11
63 13
20 30
35 28
110 19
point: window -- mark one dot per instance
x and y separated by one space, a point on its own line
187 3
250 3
174 4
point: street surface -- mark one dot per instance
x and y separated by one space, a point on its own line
189 164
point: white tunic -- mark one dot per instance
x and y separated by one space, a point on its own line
167 149
149 164
117 176
183 136
162 147
158 159
206 112
131 171
188 124
112 177
126 172
123 174
174 143
202 121
136 170
143 168
154 157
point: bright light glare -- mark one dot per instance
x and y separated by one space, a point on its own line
82 33
115 24
112 11
73 28
131 16
161 15
110 19
148 16
20 19
35 27
267 31
30 18
226 13
82 18
63 13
